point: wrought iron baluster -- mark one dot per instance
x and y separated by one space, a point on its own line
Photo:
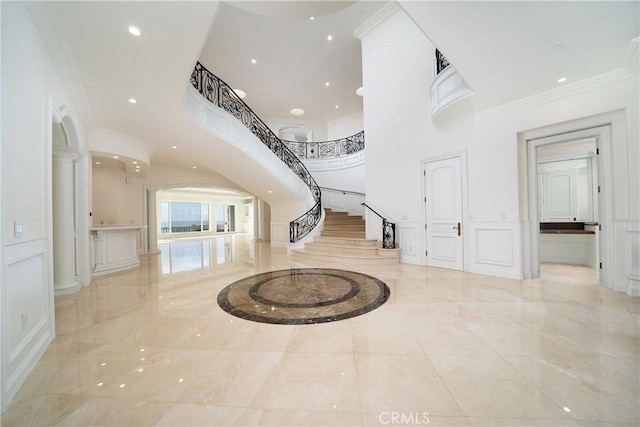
327 149
441 62
222 95
388 230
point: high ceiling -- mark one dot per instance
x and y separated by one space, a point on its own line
504 50
509 50
294 58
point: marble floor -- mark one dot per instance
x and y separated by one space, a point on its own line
152 347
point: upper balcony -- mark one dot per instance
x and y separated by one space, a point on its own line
447 88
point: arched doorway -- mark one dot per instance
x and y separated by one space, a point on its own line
69 207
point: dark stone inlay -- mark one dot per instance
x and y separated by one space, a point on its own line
307 289
303 296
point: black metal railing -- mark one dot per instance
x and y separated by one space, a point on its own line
345 192
388 230
219 93
441 62
327 149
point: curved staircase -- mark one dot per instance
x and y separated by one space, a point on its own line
343 241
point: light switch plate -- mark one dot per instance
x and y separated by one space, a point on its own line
17 228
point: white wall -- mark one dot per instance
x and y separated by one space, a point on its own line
30 85
345 126
117 196
397 73
349 179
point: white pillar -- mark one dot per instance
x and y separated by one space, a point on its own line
258 219
64 251
152 221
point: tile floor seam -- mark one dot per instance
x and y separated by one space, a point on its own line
445 385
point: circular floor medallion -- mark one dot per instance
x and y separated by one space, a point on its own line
303 296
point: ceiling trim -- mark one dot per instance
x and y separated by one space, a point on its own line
378 18
46 20
632 58
546 97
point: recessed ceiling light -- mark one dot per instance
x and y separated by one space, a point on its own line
97 163
297 111
327 84
134 162
312 18
329 37
270 191
562 79
241 94
174 146
337 106
137 170
253 61
134 30
116 157
194 167
137 166
360 91
132 100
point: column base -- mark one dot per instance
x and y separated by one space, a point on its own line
66 289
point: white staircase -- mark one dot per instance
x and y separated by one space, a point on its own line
343 241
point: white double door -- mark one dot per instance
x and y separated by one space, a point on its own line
444 213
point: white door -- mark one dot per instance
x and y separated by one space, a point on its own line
443 211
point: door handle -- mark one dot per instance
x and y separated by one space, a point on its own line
458 227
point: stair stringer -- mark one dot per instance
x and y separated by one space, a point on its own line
294 197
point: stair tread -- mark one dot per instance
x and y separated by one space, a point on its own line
346 239
348 256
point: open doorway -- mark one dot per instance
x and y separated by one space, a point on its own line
568 207
569 201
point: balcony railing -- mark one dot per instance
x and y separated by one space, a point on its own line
222 95
327 149
441 62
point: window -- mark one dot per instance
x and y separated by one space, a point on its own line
184 217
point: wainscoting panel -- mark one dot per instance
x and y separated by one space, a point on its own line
408 239
494 249
27 305
279 233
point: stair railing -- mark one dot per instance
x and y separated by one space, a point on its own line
220 94
388 230
350 201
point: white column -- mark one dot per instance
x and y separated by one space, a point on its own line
152 221
64 252
257 219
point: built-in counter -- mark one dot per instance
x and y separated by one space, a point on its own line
115 248
569 243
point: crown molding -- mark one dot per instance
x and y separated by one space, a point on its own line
632 59
541 98
378 18
48 24
555 94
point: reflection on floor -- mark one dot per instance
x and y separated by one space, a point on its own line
196 254
447 348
